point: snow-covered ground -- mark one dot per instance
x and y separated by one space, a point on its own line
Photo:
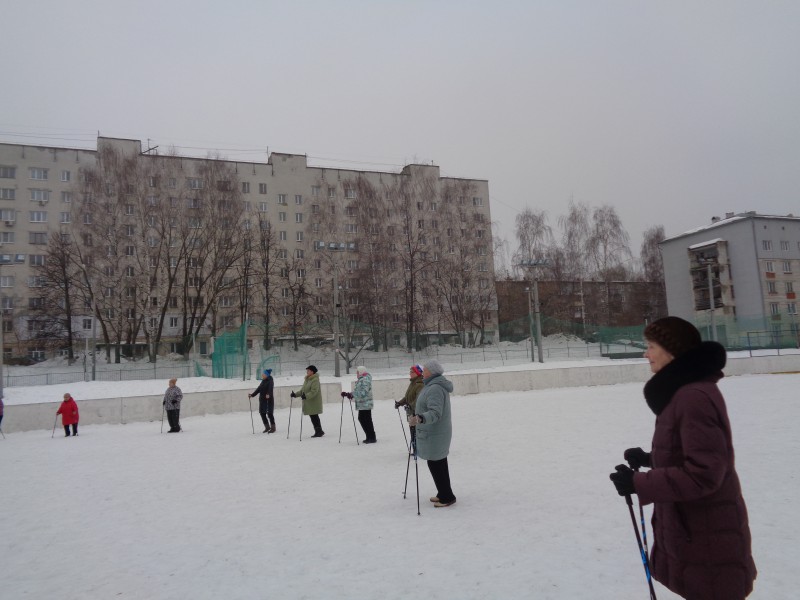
217 512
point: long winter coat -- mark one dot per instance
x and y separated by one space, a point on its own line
312 405
69 412
264 393
172 398
362 392
413 390
701 533
433 404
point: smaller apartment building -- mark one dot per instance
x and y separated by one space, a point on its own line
737 278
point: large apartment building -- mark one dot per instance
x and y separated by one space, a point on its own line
737 278
401 257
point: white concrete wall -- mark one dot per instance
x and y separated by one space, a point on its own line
26 417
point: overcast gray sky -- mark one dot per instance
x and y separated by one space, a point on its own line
670 111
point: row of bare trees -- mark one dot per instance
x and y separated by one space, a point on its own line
591 245
165 248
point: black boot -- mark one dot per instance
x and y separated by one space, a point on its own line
318 432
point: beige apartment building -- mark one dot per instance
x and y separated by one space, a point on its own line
421 241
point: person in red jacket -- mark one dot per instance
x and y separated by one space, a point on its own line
701 533
69 414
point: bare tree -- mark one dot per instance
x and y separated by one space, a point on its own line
573 261
608 243
652 265
534 236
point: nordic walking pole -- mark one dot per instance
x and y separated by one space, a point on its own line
54 426
408 468
301 427
643 554
350 399
402 426
291 402
250 400
416 472
341 417
163 408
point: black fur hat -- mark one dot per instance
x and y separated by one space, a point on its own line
311 368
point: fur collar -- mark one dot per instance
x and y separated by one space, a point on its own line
705 361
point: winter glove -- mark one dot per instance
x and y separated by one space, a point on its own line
293 395
344 394
349 395
303 396
623 480
399 403
637 458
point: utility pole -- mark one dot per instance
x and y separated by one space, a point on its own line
711 302
336 370
529 289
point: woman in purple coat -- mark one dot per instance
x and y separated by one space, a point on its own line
701 547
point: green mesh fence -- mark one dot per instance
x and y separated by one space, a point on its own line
230 359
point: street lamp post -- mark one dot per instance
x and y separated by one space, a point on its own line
536 308
94 322
711 302
530 321
336 368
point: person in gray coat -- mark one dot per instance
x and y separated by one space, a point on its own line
435 430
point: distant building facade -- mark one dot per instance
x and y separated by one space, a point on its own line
747 267
333 229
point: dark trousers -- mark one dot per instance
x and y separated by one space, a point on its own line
441 478
316 422
265 409
74 429
365 418
173 417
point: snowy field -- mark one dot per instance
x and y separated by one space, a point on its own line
217 512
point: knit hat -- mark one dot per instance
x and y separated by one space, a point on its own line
267 372
673 334
361 370
417 369
434 366
311 368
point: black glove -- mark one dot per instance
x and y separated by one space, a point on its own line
303 396
397 404
349 395
637 458
344 394
623 480
293 395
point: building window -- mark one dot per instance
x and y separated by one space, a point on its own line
299 237
771 287
477 201
6 281
299 253
38 174
65 217
784 245
766 244
774 308
282 217
282 199
298 217
245 187
262 207
789 287
770 267
791 308
262 188
173 322
8 194
8 172
298 199
66 176
315 190
38 238
195 183
282 236
787 266
40 195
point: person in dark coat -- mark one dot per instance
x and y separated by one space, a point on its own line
172 404
701 547
435 430
69 415
266 400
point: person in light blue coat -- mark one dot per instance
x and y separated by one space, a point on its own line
435 429
362 394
